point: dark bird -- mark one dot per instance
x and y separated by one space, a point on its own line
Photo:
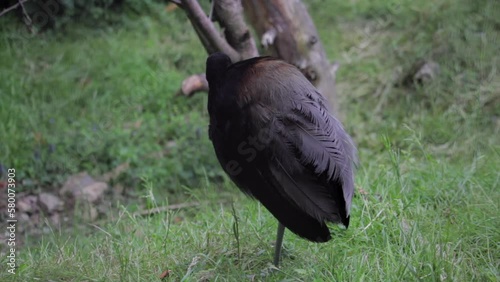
274 136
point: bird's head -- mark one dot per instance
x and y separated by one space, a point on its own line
217 64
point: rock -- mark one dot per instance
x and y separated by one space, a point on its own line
171 144
25 218
76 182
421 72
49 203
427 72
83 187
91 193
55 219
27 204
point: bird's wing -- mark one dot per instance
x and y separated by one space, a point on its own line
320 139
313 159
310 156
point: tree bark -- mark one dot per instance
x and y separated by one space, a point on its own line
287 31
208 34
230 16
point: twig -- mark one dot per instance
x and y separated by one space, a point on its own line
13 7
166 208
370 223
203 24
99 228
26 15
173 207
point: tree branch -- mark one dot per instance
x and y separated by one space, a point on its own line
13 7
203 25
204 40
230 17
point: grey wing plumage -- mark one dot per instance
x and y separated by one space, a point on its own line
322 169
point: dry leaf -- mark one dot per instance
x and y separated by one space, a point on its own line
133 125
192 84
171 7
362 191
38 137
165 274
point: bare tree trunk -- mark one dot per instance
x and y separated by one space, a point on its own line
229 14
287 31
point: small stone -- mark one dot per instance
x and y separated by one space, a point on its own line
76 182
27 204
83 187
26 222
427 72
55 219
171 144
421 72
24 217
92 193
49 203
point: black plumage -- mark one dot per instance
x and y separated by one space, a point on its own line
274 136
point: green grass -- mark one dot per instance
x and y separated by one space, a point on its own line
91 99
74 98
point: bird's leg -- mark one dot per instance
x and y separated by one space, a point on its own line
279 243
